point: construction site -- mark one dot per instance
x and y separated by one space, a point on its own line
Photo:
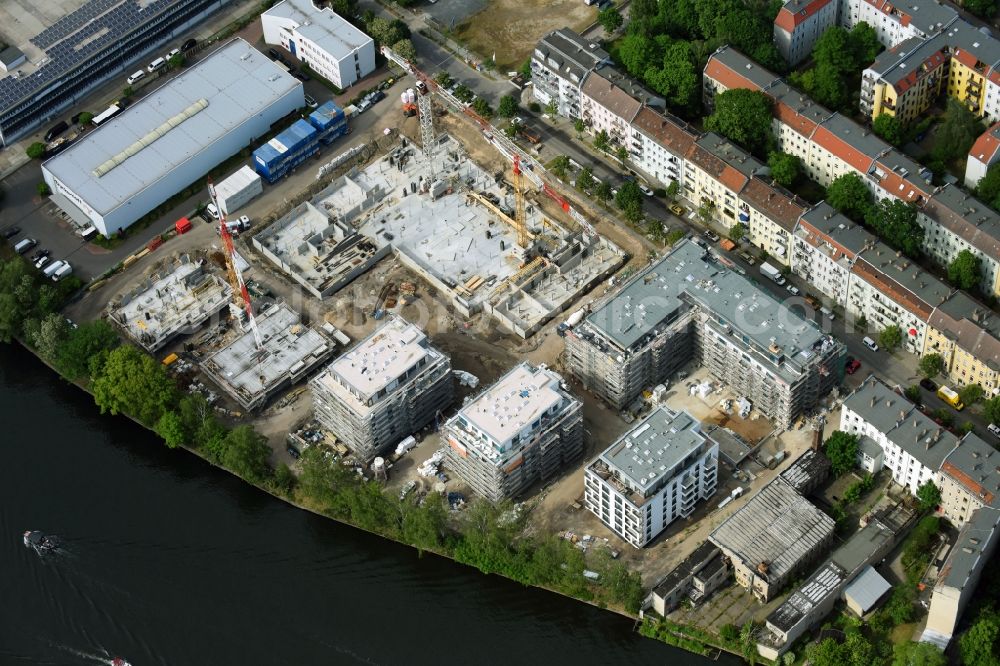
174 299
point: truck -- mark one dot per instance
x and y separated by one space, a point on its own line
951 397
529 135
24 245
53 267
769 271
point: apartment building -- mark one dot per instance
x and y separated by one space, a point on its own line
824 247
718 170
657 472
388 386
524 428
770 215
660 144
967 336
985 152
610 101
953 221
914 445
969 479
322 39
897 22
559 64
905 80
687 306
799 24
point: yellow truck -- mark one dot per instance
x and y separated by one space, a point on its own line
951 397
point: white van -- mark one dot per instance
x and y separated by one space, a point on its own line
24 245
870 343
136 76
52 268
63 271
156 65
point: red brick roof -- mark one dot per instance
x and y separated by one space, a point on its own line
842 149
666 130
773 203
788 17
985 147
970 484
730 78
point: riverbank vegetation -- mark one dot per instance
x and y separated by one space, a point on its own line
125 380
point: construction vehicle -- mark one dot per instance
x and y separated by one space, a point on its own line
409 98
381 304
529 135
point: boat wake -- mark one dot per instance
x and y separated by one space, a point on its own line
94 658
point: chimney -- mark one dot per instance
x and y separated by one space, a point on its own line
873 402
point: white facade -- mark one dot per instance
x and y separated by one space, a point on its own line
328 43
889 29
799 24
238 189
559 64
679 469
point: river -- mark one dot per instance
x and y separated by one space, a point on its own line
166 560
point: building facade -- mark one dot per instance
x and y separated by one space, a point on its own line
657 472
387 387
799 24
559 64
331 46
524 428
687 306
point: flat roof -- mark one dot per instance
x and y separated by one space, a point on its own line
902 423
327 29
654 295
517 400
382 358
653 449
808 467
974 539
177 121
169 302
777 526
250 374
694 562
570 54
236 182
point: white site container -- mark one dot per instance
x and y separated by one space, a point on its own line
238 190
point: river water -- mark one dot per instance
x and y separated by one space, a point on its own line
166 560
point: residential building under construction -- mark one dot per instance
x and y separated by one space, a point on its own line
524 428
689 306
390 385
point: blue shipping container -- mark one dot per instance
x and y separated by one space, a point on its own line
330 120
287 150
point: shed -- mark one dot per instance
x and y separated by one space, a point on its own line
182 225
10 58
865 591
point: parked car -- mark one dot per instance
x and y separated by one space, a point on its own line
645 190
928 384
41 261
792 289
377 96
56 130
172 54
10 232
745 256
828 313
213 211
301 75
711 235
136 76
38 255
994 428
871 344
273 55
189 44
156 65
677 210
852 366
310 102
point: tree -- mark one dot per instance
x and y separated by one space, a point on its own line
171 429
849 195
127 91
931 365
579 126
387 32
889 128
912 653
988 188
176 61
621 152
928 496
964 271
86 117
50 336
36 151
984 9
81 344
559 166
463 93
284 479
970 394
912 393
507 106
744 116
43 189
482 107
629 200
864 39
602 141
525 69
585 179
552 109
610 19
956 133
637 52
991 410
246 453
603 192
673 189
676 76
444 79
785 168
404 49
842 450
895 222
128 381
736 232
890 338
979 645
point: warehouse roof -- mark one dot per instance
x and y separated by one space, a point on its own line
777 527
112 164
324 27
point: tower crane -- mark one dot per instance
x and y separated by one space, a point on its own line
241 296
520 225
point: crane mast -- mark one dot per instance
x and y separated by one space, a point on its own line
241 296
